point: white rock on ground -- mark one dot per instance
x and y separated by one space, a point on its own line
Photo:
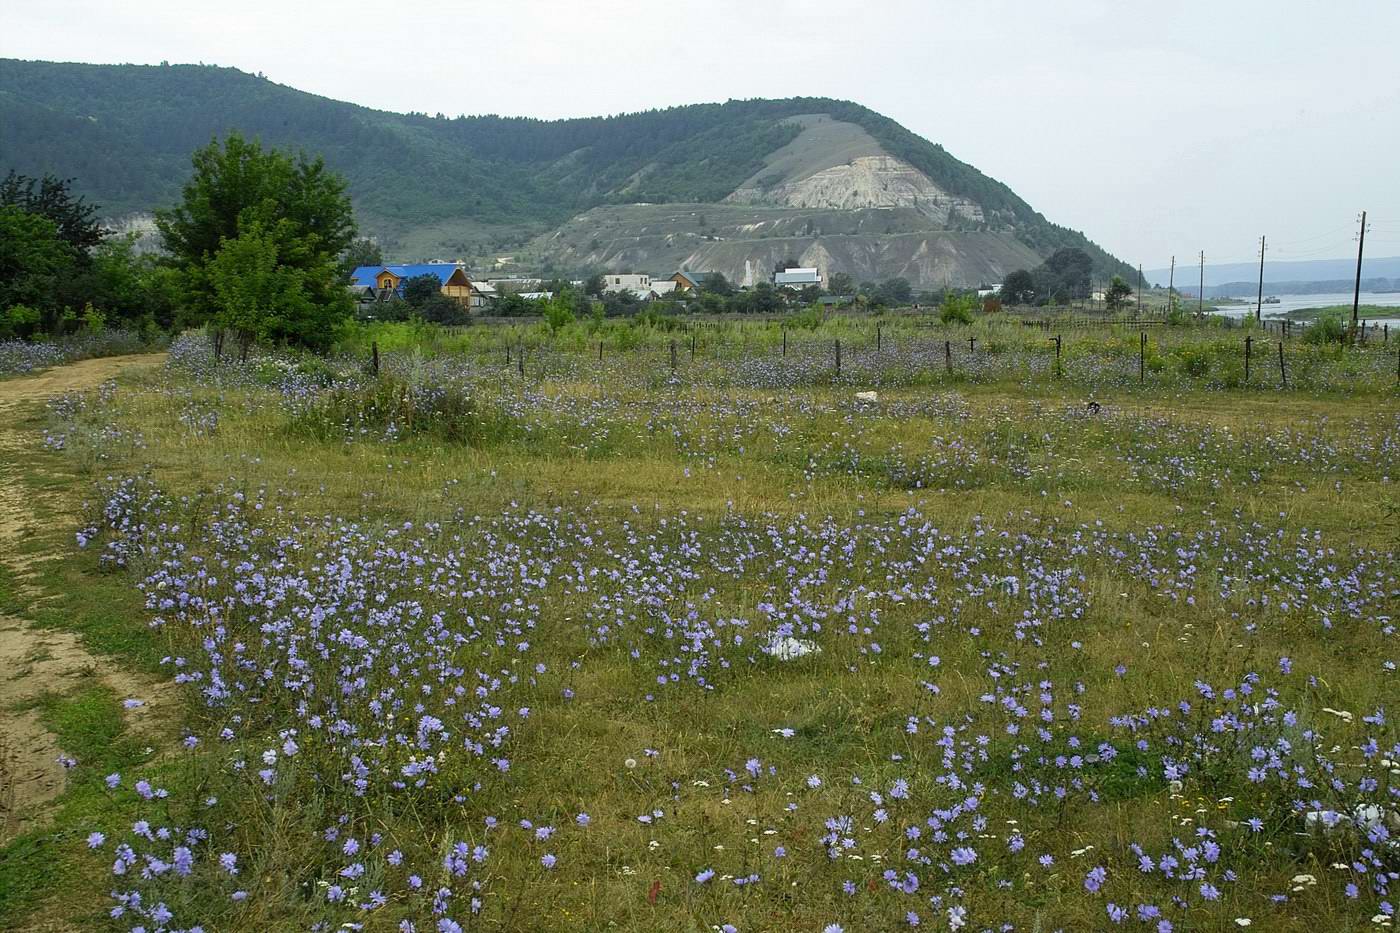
786 648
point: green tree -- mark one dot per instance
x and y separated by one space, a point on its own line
559 312
1116 295
295 202
841 283
717 284
362 251
442 309
256 293
33 258
896 291
139 291
51 197
419 289
1018 288
957 309
1064 276
595 285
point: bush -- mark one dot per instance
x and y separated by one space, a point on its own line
1194 361
439 309
956 310
393 409
1330 327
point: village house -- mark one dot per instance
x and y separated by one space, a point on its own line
387 281
628 281
691 281
797 278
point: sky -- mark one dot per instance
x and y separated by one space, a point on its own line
1157 128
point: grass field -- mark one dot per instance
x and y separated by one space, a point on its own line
612 644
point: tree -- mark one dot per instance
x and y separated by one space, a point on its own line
596 285
784 265
419 289
895 292
957 309
362 251
621 303
296 203
717 284
441 309
512 305
841 283
50 197
133 290
1116 295
33 257
558 312
1064 276
255 291
1018 288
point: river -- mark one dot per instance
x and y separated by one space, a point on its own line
1297 302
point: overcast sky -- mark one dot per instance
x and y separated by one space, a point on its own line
1157 128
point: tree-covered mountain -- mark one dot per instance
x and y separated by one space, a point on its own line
125 132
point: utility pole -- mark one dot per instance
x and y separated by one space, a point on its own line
1171 286
1259 308
1140 305
1201 298
1356 295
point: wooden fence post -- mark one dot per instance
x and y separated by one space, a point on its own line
784 341
972 344
1248 341
948 355
692 347
673 356
878 328
600 351
374 356
1142 358
520 360
1282 368
838 357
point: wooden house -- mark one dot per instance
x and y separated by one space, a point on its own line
387 281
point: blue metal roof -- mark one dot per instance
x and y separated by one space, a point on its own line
366 275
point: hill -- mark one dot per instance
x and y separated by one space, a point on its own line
822 181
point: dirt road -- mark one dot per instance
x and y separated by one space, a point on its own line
35 661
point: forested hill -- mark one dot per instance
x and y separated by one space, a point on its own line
125 132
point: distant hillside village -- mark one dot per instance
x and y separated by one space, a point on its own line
446 292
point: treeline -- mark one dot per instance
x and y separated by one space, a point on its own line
1064 277
716 296
61 271
255 250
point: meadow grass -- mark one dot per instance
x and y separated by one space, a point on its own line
1051 641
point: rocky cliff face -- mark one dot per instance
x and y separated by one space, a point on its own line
871 181
745 242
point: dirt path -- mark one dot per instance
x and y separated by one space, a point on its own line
35 661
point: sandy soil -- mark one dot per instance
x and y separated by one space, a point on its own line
34 660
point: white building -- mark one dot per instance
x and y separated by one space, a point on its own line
628 281
797 278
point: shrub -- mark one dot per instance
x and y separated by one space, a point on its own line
956 310
1330 327
392 409
1194 361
